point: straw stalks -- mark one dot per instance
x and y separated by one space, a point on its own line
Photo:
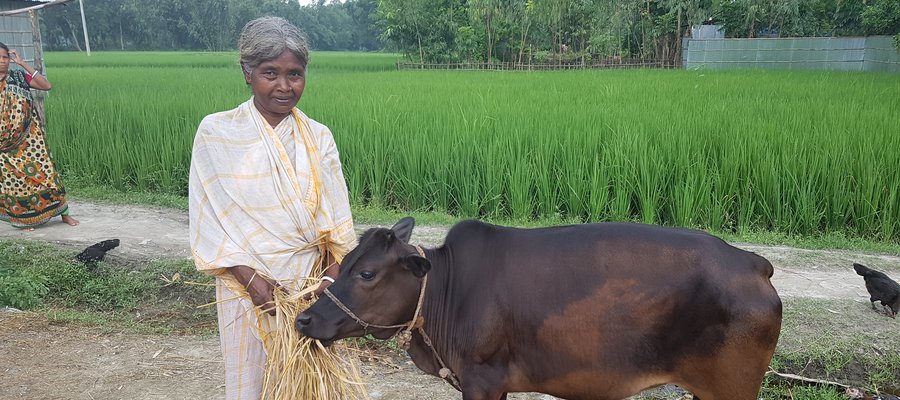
298 367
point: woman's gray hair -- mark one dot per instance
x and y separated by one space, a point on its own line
265 38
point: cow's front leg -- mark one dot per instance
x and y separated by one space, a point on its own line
482 395
484 385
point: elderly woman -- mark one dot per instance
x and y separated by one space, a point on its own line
268 201
31 192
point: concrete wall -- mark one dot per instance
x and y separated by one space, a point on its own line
874 53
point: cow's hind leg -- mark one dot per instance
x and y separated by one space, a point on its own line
730 375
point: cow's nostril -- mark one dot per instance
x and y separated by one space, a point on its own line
303 320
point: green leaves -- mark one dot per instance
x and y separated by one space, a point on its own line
882 17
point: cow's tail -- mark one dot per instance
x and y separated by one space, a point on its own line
861 270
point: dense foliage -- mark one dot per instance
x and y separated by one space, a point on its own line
203 24
468 30
564 30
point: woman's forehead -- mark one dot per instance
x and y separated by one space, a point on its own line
285 59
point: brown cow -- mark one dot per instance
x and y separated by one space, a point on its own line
599 311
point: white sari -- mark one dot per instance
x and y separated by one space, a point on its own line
273 199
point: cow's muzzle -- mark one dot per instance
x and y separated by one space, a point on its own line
304 324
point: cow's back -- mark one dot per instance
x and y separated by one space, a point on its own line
581 308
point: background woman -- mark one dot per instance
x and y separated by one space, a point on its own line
31 192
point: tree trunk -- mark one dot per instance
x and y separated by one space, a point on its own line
419 39
74 36
677 60
524 39
488 31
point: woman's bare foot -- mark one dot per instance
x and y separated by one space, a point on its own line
69 220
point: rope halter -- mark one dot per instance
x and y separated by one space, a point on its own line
404 338
416 321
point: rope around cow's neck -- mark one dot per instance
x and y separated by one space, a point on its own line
405 337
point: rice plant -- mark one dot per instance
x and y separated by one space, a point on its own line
801 152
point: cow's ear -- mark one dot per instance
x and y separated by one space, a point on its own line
419 266
403 228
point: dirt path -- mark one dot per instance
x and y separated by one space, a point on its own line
41 360
153 233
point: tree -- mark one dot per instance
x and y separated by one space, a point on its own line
204 24
882 18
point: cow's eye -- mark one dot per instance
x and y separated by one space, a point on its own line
367 275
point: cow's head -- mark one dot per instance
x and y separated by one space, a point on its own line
379 282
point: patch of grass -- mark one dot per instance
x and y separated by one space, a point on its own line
785 390
839 340
20 290
80 187
842 341
23 281
369 342
830 240
384 216
158 295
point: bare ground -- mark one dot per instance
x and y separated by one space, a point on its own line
40 360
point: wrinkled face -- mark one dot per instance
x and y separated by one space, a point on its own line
379 282
277 86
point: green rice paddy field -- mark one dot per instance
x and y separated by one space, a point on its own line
801 152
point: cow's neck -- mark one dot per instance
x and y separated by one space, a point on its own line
438 296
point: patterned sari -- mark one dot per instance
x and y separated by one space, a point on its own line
30 189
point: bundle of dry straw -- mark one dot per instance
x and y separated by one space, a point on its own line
300 368
297 367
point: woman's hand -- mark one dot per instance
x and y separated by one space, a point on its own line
322 286
38 81
331 273
260 289
14 57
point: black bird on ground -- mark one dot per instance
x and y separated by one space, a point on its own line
881 288
95 252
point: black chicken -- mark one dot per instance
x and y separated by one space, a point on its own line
881 288
95 252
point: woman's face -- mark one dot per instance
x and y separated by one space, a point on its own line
277 86
4 61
